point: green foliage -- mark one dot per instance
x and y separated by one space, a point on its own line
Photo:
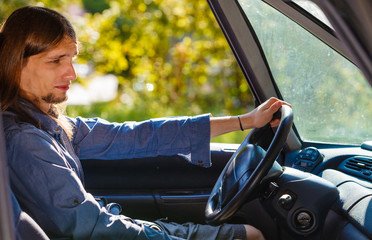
172 45
8 6
175 47
96 6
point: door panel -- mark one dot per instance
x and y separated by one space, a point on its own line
152 188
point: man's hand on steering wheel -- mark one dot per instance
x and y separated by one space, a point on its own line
263 114
250 164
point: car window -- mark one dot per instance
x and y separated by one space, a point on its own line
330 97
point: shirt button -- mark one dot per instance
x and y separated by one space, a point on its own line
57 129
76 201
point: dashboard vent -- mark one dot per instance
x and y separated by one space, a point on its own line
359 164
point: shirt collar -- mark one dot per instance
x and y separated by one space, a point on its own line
46 123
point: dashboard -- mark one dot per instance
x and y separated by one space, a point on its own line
350 170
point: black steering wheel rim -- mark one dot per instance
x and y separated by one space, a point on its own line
217 212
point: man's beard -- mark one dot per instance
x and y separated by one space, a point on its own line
51 98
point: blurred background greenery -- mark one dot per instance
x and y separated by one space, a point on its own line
169 57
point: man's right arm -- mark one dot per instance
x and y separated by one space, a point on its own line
187 136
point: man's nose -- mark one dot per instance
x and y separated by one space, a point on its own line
70 72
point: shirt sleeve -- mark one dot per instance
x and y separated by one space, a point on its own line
185 136
53 195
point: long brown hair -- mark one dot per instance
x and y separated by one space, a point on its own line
28 31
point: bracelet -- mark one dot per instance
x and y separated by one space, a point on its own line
240 123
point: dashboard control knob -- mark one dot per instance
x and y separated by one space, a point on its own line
304 220
286 201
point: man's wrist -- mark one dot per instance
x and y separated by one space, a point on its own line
240 123
246 121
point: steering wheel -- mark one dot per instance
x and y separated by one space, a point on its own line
245 171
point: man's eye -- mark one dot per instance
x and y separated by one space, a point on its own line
55 61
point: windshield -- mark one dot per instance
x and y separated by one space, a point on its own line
330 97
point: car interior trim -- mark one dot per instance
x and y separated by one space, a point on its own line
6 228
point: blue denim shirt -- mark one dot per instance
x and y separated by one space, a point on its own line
47 178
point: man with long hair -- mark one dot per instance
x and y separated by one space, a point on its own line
44 147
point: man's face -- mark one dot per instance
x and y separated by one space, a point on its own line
47 76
